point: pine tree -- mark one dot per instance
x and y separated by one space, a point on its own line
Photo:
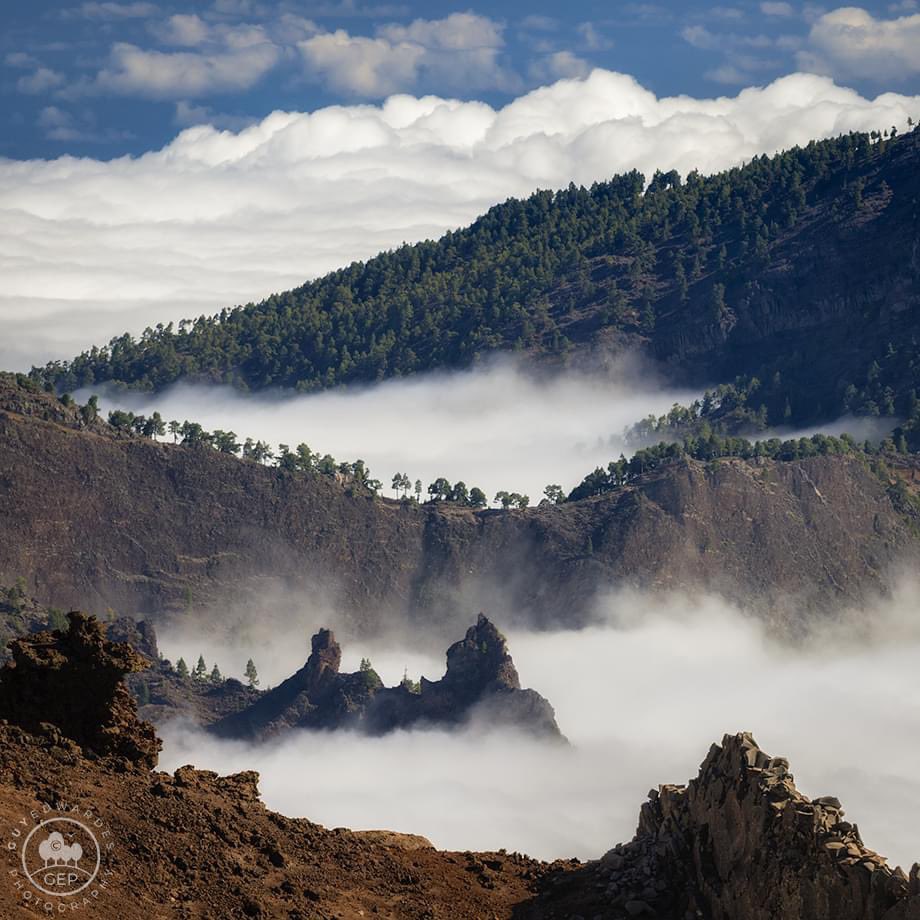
201 668
252 675
182 668
216 676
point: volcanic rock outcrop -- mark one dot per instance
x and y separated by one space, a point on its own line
69 682
739 842
480 680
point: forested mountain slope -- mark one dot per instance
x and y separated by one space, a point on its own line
92 517
806 265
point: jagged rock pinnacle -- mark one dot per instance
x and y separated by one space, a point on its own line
72 680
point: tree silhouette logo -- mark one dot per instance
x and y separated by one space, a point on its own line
61 856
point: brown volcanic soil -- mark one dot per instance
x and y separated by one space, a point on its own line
195 845
102 522
739 842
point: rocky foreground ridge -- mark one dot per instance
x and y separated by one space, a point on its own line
481 682
739 842
96 520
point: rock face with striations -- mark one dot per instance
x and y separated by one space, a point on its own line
98 520
69 683
740 842
481 680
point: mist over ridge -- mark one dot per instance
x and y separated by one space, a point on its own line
497 426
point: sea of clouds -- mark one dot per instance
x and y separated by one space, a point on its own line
91 248
640 696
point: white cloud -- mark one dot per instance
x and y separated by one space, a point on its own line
777 9
460 52
729 74
743 54
40 81
89 248
61 125
183 29
851 42
559 65
457 32
724 12
703 38
241 57
57 124
592 38
362 66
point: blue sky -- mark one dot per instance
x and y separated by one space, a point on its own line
109 77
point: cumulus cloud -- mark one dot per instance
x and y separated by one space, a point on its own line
90 248
593 39
851 42
703 38
186 29
641 696
234 59
58 125
559 65
40 81
461 51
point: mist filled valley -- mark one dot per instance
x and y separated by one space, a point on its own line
497 427
635 694
460 467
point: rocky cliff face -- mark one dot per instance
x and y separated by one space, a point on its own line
481 680
740 842
157 530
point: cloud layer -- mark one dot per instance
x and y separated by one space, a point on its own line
495 427
91 248
662 678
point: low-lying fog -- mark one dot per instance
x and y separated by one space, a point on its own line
496 426
641 696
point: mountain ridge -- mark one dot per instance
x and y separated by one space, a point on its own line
98 519
756 271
